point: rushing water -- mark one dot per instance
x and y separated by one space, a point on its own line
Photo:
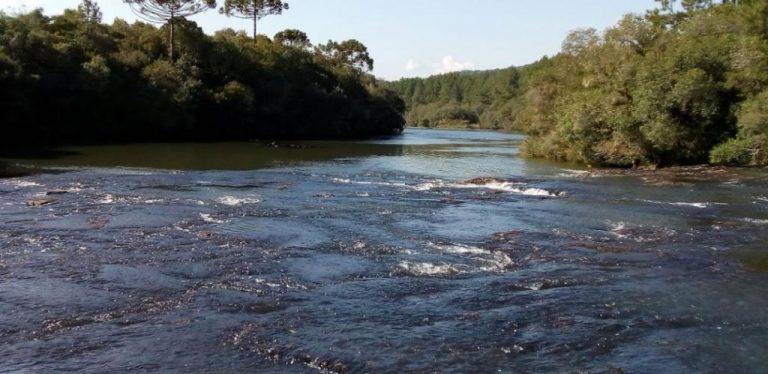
378 257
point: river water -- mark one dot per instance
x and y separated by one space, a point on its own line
378 256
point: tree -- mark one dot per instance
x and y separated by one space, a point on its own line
669 15
90 11
351 53
579 40
293 38
167 11
253 9
688 5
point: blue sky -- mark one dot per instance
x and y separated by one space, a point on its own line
419 37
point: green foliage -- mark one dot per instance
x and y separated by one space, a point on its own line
751 145
350 53
486 99
753 115
68 79
733 152
685 89
293 38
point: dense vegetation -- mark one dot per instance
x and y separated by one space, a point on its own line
487 99
686 83
673 87
71 78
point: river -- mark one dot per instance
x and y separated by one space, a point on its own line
378 256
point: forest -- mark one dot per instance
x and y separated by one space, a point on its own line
71 78
686 83
470 99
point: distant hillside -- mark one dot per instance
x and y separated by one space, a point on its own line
482 99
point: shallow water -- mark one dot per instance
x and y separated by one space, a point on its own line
377 256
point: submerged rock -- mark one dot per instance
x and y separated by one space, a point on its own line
483 181
507 236
98 222
36 203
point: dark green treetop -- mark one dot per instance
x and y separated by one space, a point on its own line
253 9
293 38
349 52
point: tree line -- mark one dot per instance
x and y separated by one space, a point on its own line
483 99
685 83
71 78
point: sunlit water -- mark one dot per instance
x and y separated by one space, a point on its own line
377 257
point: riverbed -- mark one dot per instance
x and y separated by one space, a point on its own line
434 251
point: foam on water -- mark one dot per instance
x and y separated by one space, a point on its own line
683 204
493 185
459 249
755 221
77 187
425 269
237 201
572 173
112 199
510 187
638 233
20 183
497 262
478 259
106 199
118 170
619 229
368 183
209 219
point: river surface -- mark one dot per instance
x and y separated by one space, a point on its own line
378 256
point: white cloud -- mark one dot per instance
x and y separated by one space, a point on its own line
449 64
411 65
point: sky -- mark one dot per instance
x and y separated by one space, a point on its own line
417 38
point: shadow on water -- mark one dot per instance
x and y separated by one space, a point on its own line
753 258
195 156
35 152
11 165
255 155
14 171
755 261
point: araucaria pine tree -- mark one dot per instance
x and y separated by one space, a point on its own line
167 11
253 9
